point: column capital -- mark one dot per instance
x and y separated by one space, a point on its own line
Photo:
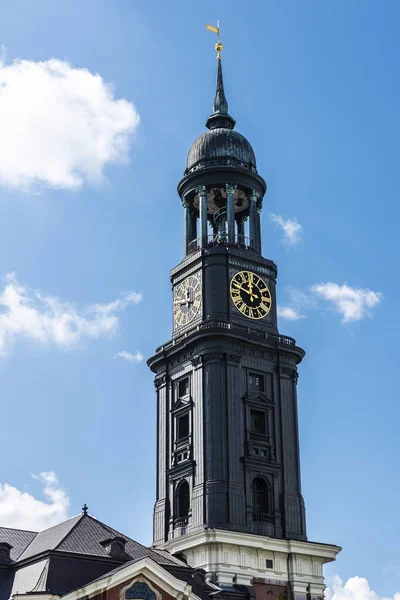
201 190
254 196
230 188
186 203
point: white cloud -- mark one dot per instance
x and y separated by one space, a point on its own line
135 358
291 229
289 313
59 125
352 303
26 313
21 510
356 588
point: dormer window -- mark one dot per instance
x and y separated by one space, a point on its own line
115 547
5 553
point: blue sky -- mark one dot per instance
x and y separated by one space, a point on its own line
90 233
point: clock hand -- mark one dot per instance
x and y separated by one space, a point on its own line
250 293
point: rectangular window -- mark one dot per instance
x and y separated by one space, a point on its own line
257 422
182 427
269 563
183 387
256 382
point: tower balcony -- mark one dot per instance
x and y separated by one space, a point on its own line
221 239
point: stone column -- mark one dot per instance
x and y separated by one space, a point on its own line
259 209
187 226
202 192
230 211
253 218
240 230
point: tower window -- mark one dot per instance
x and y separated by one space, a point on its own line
182 500
261 494
183 387
256 382
269 563
182 427
258 422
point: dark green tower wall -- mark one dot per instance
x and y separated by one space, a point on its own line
227 430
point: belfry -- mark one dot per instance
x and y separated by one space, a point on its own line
228 468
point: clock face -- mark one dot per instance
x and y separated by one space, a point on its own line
187 300
250 294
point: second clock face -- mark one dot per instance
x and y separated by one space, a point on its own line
250 295
187 300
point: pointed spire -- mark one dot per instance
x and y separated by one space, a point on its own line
220 116
220 102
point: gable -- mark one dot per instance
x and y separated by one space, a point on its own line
143 579
260 398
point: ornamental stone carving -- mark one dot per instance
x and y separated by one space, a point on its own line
213 356
201 190
230 188
160 381
197 361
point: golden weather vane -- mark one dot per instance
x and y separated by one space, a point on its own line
218 45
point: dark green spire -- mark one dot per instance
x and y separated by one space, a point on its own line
220 102
220 116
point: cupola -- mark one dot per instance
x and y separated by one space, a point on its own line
221 187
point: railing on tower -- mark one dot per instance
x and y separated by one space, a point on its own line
221 239
271 337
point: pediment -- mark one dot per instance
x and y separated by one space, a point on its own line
181 404
258 398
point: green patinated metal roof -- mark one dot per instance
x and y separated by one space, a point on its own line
221 145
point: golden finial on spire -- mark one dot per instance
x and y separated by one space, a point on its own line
218 45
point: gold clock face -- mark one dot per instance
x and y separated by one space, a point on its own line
187 300
250 295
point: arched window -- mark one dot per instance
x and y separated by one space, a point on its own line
182 500
261 496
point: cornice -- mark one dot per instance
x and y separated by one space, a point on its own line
208 331
326 552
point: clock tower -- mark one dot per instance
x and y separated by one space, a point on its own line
228 467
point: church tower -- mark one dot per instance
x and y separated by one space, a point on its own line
228 466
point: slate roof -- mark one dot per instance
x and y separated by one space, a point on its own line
28 579
63 570
82 534
87 533
18 539
50 538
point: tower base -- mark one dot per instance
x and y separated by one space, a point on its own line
277 567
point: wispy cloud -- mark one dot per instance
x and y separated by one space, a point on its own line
289 313
27 313
23 511
352 303
291 229
60 126
298 303
356 588
134 358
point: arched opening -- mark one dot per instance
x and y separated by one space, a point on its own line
261 497
182 500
